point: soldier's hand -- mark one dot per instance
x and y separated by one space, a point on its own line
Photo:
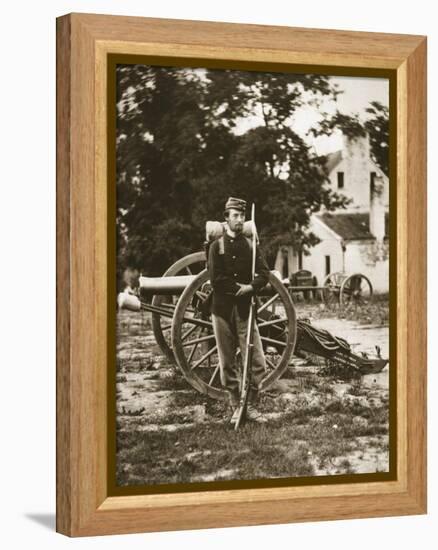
244 289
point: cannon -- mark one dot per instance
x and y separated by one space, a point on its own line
346 289
181 322
338 288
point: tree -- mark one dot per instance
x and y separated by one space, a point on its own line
181 151
158 155
269 164
350 125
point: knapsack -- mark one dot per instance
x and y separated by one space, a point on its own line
215 231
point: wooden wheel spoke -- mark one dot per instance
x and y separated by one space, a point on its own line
331 294
356 289
199 340
267 303
189 331
272 341
270 363
204 357
165 306
193 350
216 370
198 322
272 322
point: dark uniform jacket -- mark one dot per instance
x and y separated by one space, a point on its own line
230 268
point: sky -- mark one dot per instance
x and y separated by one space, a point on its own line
358 93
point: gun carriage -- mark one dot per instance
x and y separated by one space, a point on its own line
338 288
354 289
179 305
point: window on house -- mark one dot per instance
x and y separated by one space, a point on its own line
373 176
340 180
285 267
300 259
327 265
285 270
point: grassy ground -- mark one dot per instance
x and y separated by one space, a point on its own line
317 424
375 311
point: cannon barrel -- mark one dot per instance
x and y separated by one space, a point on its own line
175 285
166 286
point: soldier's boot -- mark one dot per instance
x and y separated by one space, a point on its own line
252 413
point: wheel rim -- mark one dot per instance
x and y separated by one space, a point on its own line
195 347
332 288
161 326
355 290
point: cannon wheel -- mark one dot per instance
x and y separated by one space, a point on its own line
161 326
332 287
356 289
194 343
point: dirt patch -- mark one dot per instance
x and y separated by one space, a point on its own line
316 424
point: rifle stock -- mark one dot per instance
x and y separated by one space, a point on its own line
246 375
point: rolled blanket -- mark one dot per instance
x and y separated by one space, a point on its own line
125 300
214 230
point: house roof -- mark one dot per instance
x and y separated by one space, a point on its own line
351 227
333 159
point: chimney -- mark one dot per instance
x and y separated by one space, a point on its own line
356 147
356 165
377 207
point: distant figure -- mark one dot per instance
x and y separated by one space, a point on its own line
131 279
229 265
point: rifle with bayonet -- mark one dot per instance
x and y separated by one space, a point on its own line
246 373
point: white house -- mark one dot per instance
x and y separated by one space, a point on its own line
354 239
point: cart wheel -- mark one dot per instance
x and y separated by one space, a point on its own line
332 287
356 289
195 346
189 265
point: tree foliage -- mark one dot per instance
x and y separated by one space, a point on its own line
181 152
377 127
350 125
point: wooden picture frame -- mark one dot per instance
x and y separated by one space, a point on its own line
83 45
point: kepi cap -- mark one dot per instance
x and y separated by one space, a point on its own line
237 204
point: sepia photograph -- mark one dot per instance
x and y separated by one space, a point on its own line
253 277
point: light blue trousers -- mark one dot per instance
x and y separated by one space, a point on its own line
229 337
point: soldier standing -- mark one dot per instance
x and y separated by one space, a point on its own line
229 265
